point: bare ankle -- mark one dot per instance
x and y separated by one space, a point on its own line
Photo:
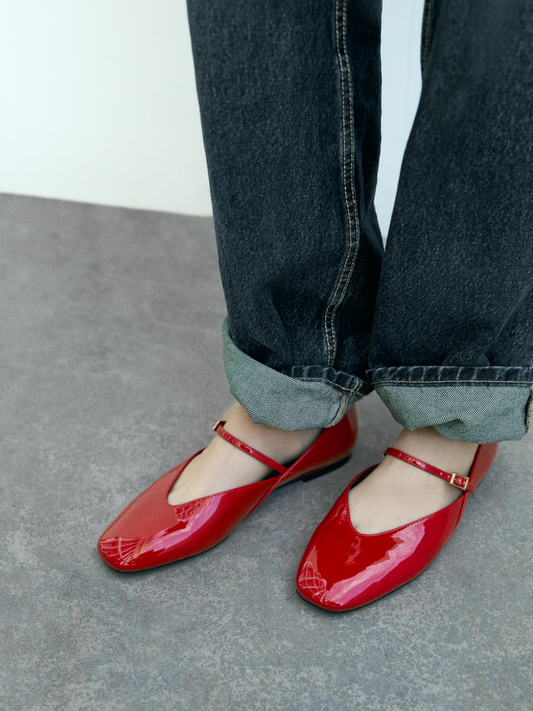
397 492
428 444
222 466
276 443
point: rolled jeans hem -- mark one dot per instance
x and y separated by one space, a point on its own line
299 398
467 403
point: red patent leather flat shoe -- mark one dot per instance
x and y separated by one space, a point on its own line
343 569
151 532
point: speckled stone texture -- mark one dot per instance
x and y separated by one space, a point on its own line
111 371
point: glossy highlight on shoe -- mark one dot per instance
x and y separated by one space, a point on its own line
160 547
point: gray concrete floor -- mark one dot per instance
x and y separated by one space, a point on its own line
112 373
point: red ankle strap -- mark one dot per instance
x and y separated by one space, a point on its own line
219 429
461 482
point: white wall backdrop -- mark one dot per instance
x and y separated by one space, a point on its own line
99 103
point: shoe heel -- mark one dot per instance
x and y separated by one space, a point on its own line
326 470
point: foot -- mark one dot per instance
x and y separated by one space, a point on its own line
396 493
221 466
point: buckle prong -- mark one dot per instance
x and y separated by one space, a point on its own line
455 476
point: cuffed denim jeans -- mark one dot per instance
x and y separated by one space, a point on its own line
441 323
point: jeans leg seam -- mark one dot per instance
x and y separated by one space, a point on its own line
529 411
347 166
425 34
354 391
341 411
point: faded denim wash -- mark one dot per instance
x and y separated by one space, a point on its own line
441 323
